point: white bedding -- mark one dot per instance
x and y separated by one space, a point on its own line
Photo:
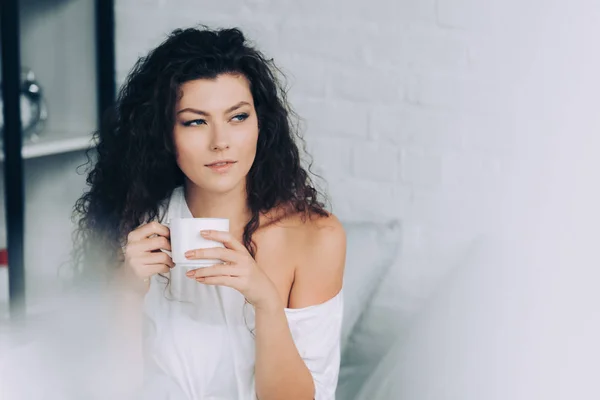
506 325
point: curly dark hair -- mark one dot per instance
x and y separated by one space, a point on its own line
135 169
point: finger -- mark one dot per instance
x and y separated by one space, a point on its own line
224 237
157 258
154 269
148 245
153 244
159 269
149 229
229 281
215 270
219 253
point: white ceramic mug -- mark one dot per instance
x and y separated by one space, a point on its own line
185 235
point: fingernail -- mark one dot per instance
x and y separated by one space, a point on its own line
190 273
189 253
205 233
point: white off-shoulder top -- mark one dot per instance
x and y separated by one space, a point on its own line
199 341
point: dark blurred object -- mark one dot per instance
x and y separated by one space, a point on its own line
42 6
33 107
3 258
83 32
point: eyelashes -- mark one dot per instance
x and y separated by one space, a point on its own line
197 122
194 122
242 116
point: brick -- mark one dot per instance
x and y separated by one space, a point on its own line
260 6
126 56
305 75
356 11
415 126
204 9
420 168
426 207
333 119
471 170
402 195
465 14
491 56
331 156
457 93
384 47
290 9
392 11
415 47
145 32
387 124
375 162
449 206
337 42
433 49
139 4
489 134
261 31
363 201
366 85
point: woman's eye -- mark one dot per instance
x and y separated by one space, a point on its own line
240 117
194 122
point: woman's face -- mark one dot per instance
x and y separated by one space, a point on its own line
216 132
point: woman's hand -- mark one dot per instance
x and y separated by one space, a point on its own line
239 272
143 257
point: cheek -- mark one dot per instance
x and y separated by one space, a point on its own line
186 147
248 144
178 141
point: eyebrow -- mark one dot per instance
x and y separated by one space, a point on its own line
200 112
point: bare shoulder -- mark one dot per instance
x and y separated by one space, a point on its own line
303 254
322 232
305 233
320 251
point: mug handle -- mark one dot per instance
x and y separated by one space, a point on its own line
167 252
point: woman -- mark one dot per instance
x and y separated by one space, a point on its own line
201 129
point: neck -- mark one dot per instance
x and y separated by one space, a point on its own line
231 205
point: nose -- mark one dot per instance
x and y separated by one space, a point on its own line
219 139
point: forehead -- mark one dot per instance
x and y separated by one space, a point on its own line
215 94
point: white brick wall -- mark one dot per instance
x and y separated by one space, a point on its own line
398 99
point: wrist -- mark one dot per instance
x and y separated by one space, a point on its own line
270 305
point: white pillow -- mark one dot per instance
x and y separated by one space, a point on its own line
438 342
370 339
401 294
371 247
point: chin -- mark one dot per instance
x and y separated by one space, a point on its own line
220 186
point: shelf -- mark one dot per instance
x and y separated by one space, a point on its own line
69 46
50 143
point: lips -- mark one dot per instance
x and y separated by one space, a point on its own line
220 163
221 166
